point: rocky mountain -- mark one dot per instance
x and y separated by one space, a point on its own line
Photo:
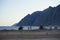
49 16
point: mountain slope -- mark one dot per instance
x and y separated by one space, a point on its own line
49 16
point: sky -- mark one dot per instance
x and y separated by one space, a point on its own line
12 11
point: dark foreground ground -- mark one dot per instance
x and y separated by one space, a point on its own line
30 35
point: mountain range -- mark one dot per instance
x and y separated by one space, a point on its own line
49 16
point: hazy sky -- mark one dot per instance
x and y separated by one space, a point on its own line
12 11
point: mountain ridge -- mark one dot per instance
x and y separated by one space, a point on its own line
49 16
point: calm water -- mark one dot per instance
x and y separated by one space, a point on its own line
16 27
